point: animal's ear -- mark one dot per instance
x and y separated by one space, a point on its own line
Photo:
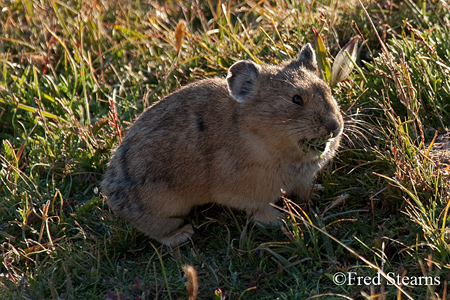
242 80
307 58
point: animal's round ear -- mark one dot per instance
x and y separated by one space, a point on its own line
242 80
307 58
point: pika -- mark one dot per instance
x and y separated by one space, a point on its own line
236 141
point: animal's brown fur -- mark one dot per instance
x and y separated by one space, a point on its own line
234 141
440 153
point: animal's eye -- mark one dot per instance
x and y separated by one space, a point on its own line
298 100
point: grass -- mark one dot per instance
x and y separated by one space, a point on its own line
74 75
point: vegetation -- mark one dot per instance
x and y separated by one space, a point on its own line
75 74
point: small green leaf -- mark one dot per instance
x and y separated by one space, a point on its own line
11 158
324 64
10 154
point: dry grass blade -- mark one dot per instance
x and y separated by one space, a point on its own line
180 31
191 284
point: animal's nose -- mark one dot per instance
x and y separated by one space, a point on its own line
333 126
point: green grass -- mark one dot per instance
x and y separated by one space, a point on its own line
65 67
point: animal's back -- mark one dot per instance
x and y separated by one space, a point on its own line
170 147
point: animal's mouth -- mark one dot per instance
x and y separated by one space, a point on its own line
316 145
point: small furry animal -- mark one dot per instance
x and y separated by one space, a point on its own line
236 142
440 152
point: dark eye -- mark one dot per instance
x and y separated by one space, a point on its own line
298 100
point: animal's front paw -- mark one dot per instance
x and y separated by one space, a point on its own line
179 236
269 216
